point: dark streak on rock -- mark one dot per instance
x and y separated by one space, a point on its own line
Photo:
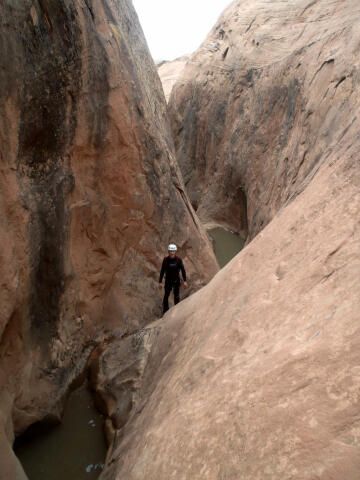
52 69
90 9
225 53
347 128
46 14
97 111
342 79
250 25
51 80
331 61
309 5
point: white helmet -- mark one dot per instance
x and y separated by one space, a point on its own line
172 247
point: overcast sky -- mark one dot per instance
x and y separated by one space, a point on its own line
175 27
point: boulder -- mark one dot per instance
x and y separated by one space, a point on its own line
262 104
91 194
117 369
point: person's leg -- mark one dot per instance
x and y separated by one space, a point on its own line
176 293
166 298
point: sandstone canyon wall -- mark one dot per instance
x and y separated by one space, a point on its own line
262 104
169 72
256 376
90 195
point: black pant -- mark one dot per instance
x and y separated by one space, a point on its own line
168 288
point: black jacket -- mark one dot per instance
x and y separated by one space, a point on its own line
171 268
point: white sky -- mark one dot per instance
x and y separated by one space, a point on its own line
175 27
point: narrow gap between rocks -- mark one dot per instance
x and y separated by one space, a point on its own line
78 444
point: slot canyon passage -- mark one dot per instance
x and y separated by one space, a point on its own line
256 374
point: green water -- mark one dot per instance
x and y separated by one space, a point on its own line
226 245
74 450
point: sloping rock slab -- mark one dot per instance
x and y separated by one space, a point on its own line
258 373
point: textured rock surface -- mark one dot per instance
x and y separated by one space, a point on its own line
90 193
117 378
262 103
256 376
169 72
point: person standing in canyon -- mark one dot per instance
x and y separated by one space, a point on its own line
171 267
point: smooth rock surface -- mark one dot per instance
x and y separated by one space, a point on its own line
90 194
262 103
256 376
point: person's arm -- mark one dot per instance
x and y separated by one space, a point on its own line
162 271
183 271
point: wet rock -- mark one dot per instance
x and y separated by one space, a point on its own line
11 468
118 377
260 105
90 194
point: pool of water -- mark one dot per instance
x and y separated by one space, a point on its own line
74 450
226 244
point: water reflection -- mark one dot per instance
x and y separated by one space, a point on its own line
226 244
75 450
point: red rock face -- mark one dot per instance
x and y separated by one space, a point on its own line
262 103
256 376
90 194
